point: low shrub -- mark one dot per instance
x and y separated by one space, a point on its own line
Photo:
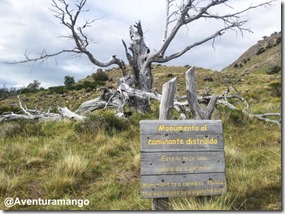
84 85
260 51
57 89
100 76
274 69
106 122
23 128
9 109
276 89
232 117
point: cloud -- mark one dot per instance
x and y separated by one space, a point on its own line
73 69
29 25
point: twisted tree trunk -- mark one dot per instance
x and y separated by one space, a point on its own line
140 64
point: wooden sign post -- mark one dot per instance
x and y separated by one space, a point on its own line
182 158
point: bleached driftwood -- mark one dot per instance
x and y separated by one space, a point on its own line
197 111
167 99
32 114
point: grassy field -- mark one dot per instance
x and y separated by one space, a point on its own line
74 160
99 159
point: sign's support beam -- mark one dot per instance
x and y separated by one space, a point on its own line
165 112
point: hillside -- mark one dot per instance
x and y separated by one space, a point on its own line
99 159
262 45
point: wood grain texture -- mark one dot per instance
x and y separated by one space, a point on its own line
152 126
182 162
175 135
160 186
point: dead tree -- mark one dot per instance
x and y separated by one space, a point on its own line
136 88
32 114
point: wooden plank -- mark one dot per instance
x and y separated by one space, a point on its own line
182 143
174 135
182 162
163 186
179 126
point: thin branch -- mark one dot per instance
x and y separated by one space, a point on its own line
44 56
21 106
178 54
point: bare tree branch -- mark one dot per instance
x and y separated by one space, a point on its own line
186 49
191 11
167 18
43 56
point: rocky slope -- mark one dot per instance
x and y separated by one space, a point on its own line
263 45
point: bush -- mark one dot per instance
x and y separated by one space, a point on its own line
232 117
57 89
114 124
34 85
100 76
27 90
4 93
88 85
260 51
276 89
106 122
69 81
9 129
9 109
21 127
236 117
274 69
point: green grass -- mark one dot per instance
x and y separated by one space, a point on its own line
60 162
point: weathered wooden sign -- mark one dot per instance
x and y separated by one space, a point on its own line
182 158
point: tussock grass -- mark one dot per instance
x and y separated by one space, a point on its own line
71 165
65 174
205 203
8 184
56 185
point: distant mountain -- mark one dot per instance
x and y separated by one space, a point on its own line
263 45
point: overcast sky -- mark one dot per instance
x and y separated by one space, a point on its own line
29 25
